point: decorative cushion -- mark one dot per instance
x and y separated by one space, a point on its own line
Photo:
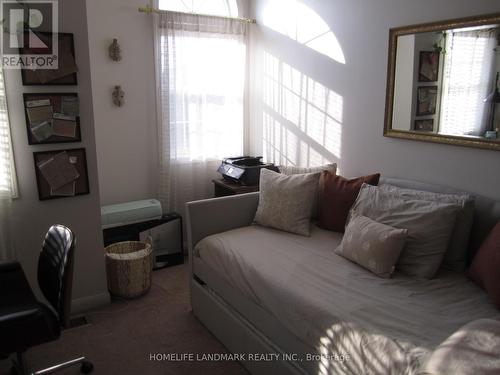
336 196
372 245
285 202
455 258
292 169
429 225
485 267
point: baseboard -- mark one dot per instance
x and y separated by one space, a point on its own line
85 304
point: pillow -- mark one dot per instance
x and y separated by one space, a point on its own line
429 225
372 245
473 349
455 258
285 202
336 196
485 267
292 169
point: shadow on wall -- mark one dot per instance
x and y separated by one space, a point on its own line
301 118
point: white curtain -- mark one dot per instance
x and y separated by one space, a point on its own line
467 80
8 186
200 75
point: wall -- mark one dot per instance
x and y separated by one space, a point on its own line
126 137
31 217
403 83
358 86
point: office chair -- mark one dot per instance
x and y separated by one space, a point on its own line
26 322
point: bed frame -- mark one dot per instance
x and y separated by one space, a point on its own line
241 325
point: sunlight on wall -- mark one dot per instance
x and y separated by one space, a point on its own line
302 24
302 119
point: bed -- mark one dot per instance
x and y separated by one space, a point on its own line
265 291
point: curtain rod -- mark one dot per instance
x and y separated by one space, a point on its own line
149 9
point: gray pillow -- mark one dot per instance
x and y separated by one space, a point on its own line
429 225
455 258
372 245
285 202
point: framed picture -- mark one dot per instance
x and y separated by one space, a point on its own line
428 68
426 100
424 125
61 173
52 117
65 74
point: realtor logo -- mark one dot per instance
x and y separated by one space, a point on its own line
29 34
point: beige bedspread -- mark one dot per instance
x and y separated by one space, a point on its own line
384 326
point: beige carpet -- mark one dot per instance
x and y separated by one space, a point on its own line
121 337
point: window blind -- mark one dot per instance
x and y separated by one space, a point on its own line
8 185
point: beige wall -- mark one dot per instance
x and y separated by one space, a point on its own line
362 29
126 137
31 217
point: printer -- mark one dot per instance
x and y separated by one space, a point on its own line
244 170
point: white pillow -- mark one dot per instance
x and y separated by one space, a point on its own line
372 245
285 202
429 225
292 169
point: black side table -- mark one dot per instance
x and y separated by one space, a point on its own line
224 188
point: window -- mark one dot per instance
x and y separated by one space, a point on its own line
8 188
226 8
468 67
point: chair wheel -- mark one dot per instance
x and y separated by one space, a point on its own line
86 367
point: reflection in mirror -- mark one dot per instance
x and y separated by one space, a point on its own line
445 82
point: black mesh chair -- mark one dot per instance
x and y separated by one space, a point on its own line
26 322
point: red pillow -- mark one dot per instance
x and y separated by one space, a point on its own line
336 197
485 268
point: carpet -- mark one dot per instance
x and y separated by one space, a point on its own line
121 338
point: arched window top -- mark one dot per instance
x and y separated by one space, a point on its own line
227 8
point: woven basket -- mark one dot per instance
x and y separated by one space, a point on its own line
129 267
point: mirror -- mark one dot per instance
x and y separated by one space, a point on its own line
442 82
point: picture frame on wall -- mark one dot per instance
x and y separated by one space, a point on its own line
428 68
65 74
426 100
426 125
52 117
61 173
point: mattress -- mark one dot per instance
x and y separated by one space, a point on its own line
356 321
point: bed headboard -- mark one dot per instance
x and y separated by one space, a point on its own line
486 211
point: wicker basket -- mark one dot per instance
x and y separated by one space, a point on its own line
129 267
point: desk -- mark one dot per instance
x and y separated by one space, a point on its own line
224 188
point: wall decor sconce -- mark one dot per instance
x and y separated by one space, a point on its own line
118 96
115 52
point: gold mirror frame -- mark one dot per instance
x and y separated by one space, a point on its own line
394 33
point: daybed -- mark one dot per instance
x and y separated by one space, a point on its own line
260 290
